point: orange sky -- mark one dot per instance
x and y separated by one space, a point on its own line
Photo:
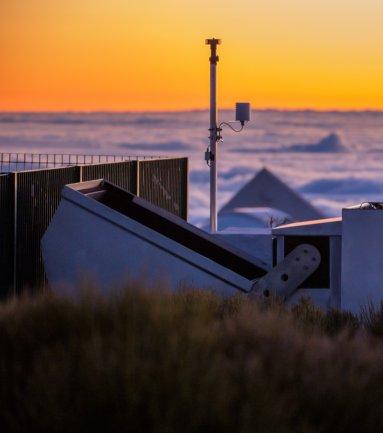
150 54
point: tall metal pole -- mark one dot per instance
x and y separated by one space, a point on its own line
213 132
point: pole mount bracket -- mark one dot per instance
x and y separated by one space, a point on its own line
213 47
209 156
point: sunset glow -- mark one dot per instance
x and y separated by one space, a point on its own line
150 54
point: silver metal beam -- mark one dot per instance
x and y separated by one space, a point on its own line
213 132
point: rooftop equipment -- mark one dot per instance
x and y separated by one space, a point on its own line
350 276
110 236
323 286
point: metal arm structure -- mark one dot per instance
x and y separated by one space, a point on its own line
285 278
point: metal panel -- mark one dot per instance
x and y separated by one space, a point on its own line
122 174
165 184
38 196
6 235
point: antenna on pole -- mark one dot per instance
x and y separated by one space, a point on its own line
211 154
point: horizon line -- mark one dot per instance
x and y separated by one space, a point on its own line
193 110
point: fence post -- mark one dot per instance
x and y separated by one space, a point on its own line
186 179
14 182
138 178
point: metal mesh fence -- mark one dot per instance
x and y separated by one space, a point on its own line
23 221
38 196
123 174
6 235
10 162
165 184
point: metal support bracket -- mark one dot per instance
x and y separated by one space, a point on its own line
209 156
285 278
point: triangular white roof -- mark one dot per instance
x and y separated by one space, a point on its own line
267 190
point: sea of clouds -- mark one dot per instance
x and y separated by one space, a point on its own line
333 159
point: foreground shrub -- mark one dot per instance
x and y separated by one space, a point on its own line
186 362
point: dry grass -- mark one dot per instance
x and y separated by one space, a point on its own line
187 362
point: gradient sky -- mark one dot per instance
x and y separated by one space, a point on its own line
150 54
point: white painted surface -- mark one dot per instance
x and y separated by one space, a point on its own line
362 258
86 240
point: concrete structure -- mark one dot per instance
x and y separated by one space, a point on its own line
109 236
350 276
362 257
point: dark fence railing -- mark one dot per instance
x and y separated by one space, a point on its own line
164 183
38 195
123 174
6 233
33 161
28 200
